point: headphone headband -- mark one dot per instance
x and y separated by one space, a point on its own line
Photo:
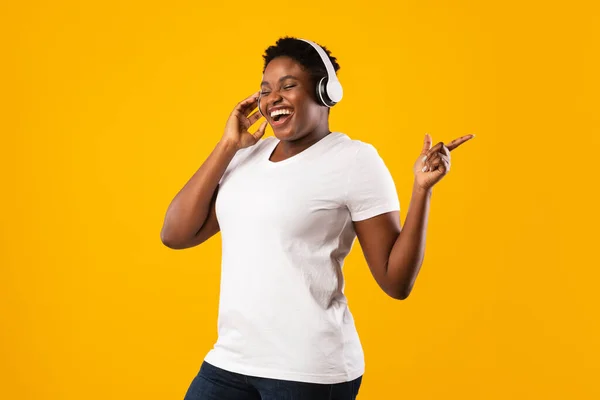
328 65
329 90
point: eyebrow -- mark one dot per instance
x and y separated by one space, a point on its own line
280 79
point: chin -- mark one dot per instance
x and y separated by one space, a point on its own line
289 131
286 134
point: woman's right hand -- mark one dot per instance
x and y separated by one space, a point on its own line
236 130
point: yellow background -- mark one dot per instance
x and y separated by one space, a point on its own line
108 108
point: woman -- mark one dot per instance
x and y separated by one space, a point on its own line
289 208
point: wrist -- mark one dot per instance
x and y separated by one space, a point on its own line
420 190
228 146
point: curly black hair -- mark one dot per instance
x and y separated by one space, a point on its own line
301 52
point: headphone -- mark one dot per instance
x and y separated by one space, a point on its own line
329 89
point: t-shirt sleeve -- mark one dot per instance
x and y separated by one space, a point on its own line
371 190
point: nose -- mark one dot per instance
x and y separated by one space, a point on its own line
268 100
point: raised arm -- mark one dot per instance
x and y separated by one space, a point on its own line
394 253
191 218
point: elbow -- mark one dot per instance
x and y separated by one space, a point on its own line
398 296
400 293
167 240
171 241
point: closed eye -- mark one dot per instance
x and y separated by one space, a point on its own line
263 93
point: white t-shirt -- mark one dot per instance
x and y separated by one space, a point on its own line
286 228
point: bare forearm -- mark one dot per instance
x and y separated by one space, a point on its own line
408 251
189 209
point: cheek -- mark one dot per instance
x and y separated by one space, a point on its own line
306 106
313 111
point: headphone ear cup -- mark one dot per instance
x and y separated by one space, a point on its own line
334 91
322 92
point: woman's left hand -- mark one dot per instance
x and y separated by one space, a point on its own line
434 163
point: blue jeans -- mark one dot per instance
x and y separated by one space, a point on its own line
214 383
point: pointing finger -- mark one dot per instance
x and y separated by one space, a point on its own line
457 142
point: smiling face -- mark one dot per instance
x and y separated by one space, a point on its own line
289 102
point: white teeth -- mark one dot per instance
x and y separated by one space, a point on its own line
280 112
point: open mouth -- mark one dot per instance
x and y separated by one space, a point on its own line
282 116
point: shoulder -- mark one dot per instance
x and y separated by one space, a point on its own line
362 160
354 150
370 187
252 151
245 156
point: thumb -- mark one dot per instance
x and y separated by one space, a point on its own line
426 144
260 131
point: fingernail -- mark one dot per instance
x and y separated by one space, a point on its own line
424 168
424 158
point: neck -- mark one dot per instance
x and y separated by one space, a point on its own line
293 147
289 148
